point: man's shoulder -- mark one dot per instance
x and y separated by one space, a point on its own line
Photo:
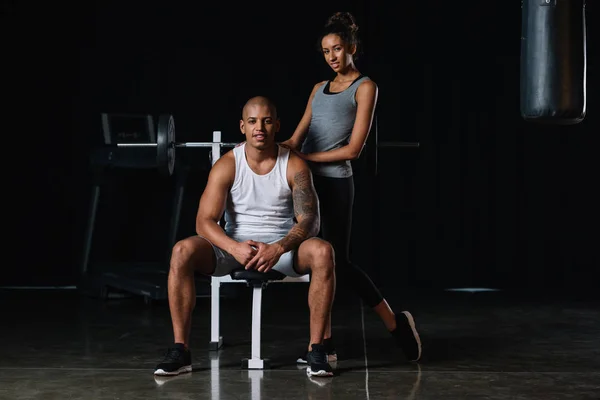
225 165
226 158
296 163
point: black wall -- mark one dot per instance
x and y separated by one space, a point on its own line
486 200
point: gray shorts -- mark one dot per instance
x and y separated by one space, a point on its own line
225 262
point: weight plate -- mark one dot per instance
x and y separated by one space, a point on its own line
165 144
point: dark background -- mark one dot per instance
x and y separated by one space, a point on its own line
487 200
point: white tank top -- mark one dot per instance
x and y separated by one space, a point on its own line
259 207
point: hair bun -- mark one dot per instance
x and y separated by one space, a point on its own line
343 18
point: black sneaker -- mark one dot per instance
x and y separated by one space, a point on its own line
177 361
317 361
406 336
329 351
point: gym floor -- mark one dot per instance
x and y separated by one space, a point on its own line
58 344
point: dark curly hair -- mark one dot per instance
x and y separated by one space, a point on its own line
344 25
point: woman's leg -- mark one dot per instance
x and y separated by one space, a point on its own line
336 199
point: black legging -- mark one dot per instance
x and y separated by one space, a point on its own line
336 198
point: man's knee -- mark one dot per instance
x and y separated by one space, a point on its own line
323 255
187 252
182 251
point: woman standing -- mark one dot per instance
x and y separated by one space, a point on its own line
331 134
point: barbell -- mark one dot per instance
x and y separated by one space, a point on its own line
166 144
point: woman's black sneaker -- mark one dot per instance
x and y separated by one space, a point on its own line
406 336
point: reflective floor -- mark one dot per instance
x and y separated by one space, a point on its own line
490 345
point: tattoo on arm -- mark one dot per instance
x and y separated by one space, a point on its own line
306 209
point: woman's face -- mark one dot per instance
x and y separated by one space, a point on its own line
336 53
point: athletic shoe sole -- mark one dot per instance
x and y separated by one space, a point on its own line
320 372
411 323
182 370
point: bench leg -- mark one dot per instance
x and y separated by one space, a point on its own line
216 341
256 362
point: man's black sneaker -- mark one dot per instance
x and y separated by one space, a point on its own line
177 361
317 361
329 350
407 337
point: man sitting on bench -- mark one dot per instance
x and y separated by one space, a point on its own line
261 187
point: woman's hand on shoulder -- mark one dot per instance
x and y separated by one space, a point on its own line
297 153
289 144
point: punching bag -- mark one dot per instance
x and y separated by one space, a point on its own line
553 61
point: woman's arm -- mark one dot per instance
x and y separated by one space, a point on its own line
299 134
366 99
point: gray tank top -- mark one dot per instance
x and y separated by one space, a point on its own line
330 127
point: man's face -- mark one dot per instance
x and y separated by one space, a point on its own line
259 125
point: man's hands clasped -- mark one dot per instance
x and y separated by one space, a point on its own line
257 255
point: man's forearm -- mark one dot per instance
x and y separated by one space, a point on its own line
305 229
212 231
